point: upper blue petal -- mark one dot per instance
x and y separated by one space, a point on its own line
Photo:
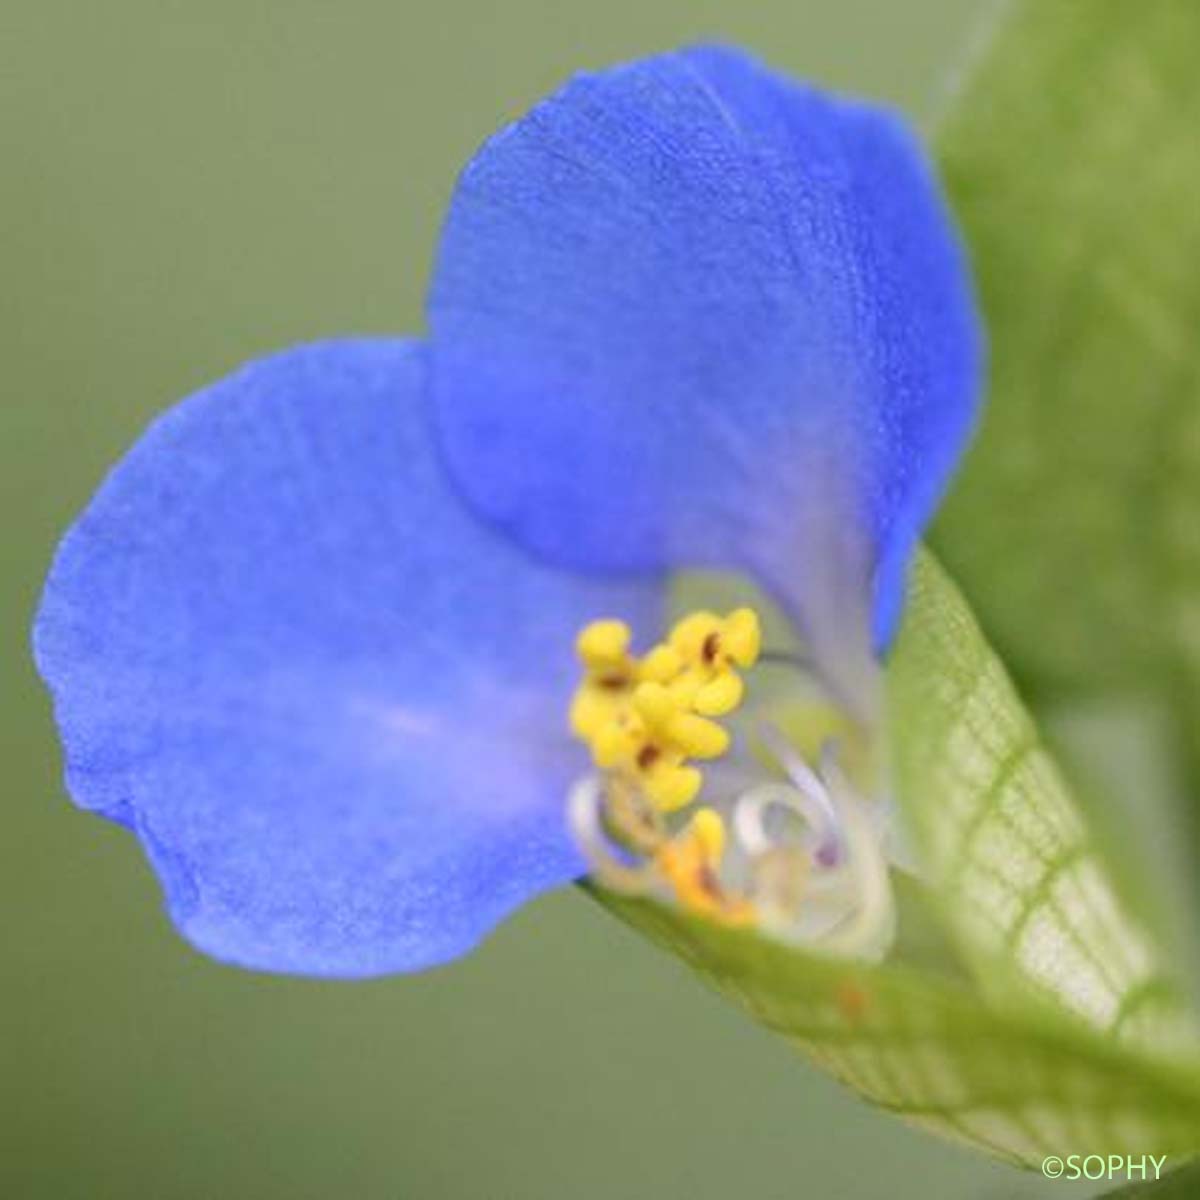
329 702
687 312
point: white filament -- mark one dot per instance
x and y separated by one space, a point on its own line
869 930
833 853
585 805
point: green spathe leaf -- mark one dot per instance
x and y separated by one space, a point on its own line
1019 878
1072 165
1057 1028
931 1052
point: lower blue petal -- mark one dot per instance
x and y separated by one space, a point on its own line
688 313
330 704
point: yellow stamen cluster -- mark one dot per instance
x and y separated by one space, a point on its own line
644 719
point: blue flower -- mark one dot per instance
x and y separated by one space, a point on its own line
312 641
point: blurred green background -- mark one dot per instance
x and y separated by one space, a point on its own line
187 185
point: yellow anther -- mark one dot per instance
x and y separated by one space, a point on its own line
671 723
655 704
690 863
719 696
712 648
742 637
671 785
696 736
661 665
603 648
604 644
591 710
705 639
618 741
709 831
689 634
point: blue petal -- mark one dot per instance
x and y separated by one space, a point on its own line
689 313
330 704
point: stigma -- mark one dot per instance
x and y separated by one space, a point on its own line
731 825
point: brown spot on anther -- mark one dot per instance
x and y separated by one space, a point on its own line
614 682
710 646
647 757
709 881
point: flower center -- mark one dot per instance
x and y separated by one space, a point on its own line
777 845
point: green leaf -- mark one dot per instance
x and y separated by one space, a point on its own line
1059 1032
1072 164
